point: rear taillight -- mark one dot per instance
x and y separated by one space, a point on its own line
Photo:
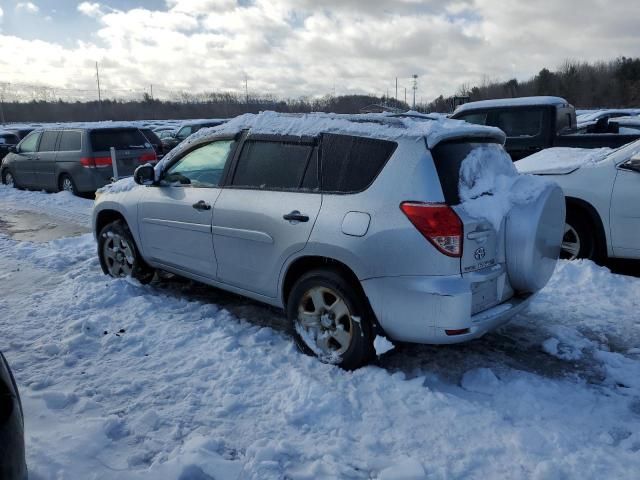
148 157
438 223
93 162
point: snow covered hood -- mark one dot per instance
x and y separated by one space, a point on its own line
377 125
561 160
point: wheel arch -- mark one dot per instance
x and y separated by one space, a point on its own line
105 217
591 214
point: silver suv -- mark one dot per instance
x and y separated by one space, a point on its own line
352 224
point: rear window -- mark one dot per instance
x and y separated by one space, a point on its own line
120 139
520 123
475 118
70 141
448 158
272 165
48 141
350 164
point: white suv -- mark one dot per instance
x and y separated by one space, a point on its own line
412 227
602 189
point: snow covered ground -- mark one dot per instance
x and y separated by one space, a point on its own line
181 381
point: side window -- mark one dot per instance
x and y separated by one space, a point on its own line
272 165
30 143
70 141
183 133
350 164
202 167
520 123
48 141
476 118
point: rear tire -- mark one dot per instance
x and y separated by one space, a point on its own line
119 255
66 184
579 239
331 319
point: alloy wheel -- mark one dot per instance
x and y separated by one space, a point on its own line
570 243
324 322
8 179
67 185
118 255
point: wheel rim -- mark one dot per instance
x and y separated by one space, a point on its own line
118 255
325 323
8 179
570 243
67 184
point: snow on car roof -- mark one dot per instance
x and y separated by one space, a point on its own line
377 125
512 102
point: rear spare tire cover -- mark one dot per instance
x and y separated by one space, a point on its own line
534 232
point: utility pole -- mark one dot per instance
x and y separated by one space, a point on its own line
99 93
246 89
405 94
415 88
396 91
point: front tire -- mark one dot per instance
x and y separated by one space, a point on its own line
579 239
119 256
331 319
8 179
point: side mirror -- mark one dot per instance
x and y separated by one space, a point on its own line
632 164
145 175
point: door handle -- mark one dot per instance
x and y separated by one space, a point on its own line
296 216
476 234
201 205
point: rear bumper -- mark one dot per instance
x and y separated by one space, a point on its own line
422 309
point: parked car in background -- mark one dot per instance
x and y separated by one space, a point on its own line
21 132
154 140
8 140
352 224
75 159
602 191
536 123
186 129
12 449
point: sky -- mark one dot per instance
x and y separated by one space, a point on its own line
292 48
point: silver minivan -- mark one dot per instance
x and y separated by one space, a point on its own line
77 160
351 224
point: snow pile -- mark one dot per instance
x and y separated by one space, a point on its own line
382 345
434 128
561 160
490 185
122 185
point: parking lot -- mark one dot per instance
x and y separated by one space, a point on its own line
180 380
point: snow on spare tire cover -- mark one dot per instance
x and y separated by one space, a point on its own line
534 234
531 210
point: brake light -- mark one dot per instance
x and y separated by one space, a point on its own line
438 223
148 157
95 162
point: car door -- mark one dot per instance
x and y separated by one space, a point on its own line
174 217
625 209
44 164
26 155
266 212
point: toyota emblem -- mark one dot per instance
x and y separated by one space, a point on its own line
479 253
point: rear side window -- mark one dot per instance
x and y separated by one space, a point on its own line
48 141
120 139
476 118
272 165
520 123
70 141
350 164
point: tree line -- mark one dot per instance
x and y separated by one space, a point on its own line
613 84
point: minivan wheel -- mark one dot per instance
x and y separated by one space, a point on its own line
119 256
66 184
7 179
579 240
330 319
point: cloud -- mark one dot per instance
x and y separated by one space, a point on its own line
295 47
1 14
28 7
90 9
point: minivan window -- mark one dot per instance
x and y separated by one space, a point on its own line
272 165
520 123
202 167
70 141
48 141
350 164
120 139
30 143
